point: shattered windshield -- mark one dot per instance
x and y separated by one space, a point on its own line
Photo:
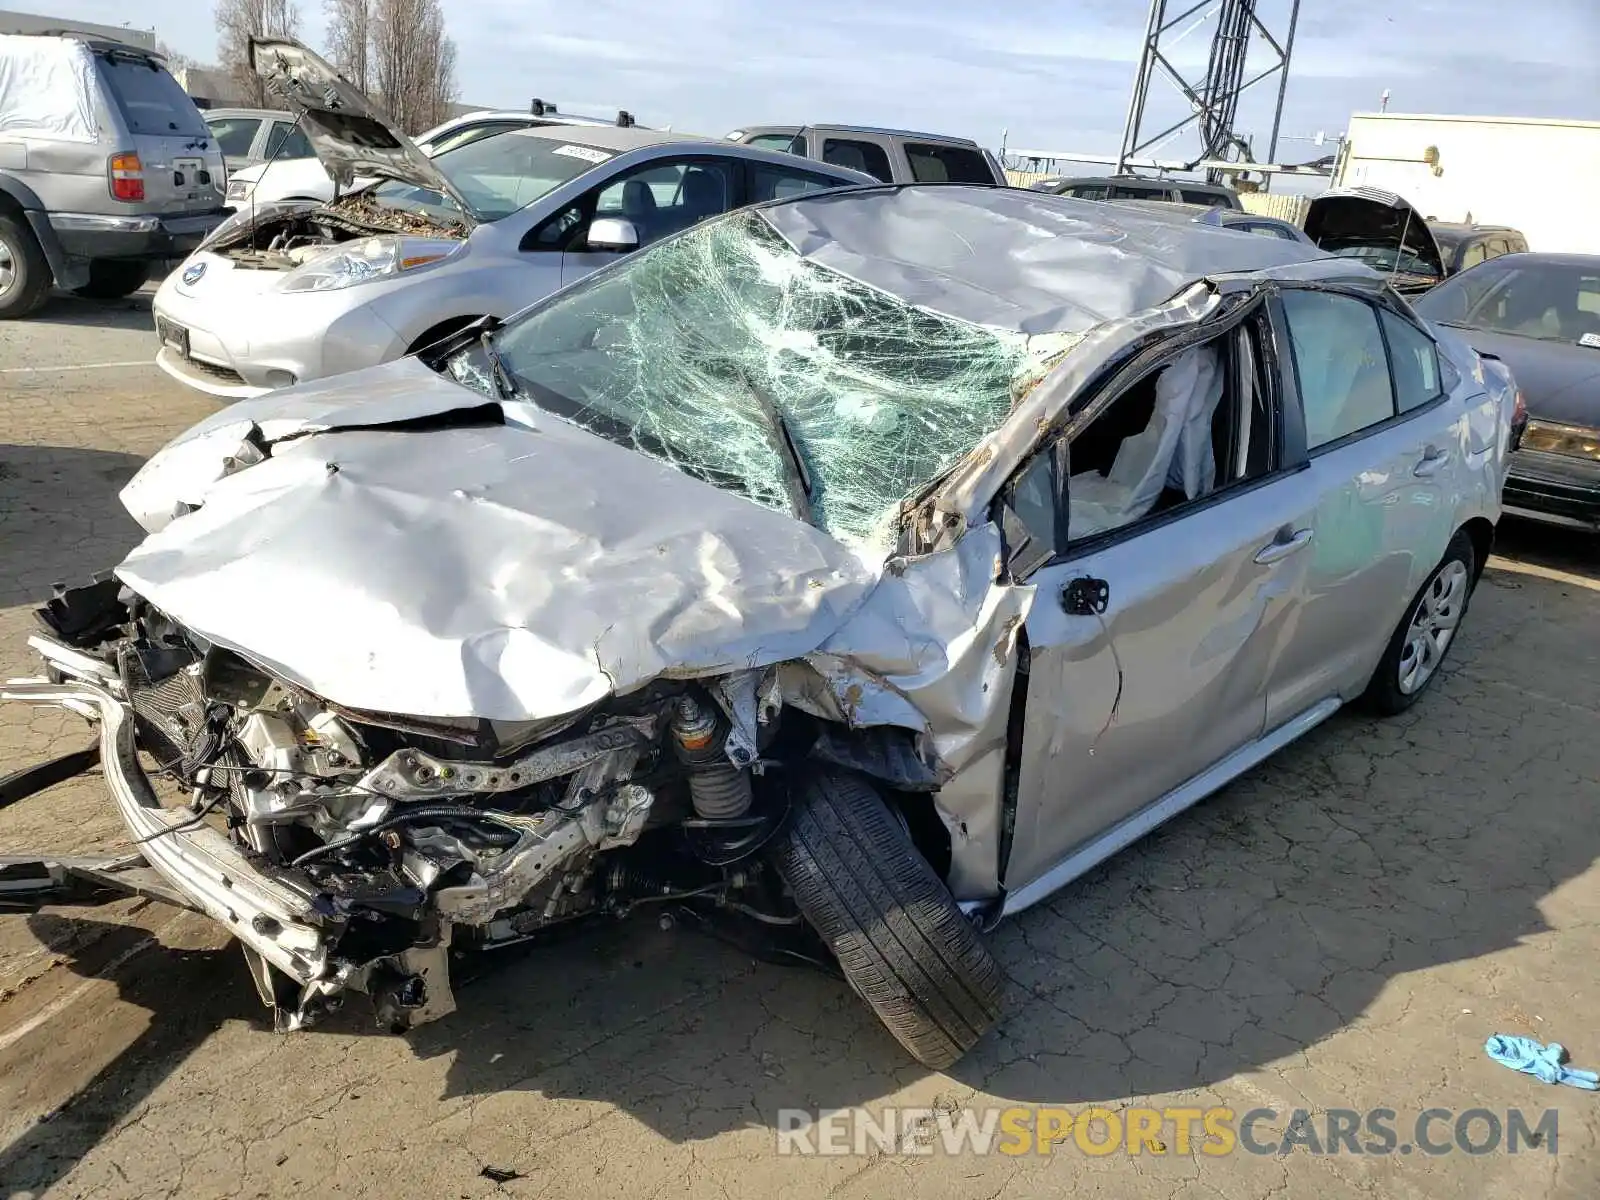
728 355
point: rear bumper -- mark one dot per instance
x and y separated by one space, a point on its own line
1554 487
94 235
273 919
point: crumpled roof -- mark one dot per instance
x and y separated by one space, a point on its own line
1014 259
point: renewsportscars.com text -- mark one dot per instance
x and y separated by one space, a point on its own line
1213 1132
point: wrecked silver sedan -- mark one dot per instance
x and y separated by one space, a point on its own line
859 569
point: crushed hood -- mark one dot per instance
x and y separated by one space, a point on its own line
1372 217
406 547
349 134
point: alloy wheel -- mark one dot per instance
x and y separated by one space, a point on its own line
1433 626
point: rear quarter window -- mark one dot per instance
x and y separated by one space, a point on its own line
149 98
947 164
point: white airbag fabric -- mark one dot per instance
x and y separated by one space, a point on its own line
1175 447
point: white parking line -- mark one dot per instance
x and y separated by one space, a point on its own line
106 366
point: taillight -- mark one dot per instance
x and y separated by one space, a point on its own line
127 177
1519 410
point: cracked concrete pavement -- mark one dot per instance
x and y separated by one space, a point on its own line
1341 928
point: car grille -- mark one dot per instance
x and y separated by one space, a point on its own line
221 374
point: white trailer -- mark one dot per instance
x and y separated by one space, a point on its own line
1538 176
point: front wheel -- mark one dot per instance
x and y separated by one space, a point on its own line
903 944
114 278
1426 633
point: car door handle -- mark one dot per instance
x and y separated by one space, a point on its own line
1431 462
1282 546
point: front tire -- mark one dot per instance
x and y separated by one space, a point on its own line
114 278
903 944
1426 633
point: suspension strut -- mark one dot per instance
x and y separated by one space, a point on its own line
718 789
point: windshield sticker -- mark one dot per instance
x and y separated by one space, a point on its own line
587 153
1591 340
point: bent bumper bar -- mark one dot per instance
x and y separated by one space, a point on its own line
268 916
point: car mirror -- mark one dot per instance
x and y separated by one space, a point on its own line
613 234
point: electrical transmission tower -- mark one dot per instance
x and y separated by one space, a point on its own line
1236 29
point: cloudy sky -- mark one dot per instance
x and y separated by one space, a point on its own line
1055 74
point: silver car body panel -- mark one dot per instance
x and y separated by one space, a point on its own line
518 570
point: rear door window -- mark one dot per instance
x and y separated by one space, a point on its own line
1341 363
1415 362
858 156
234 135
1087 191
947 164
151 101
1210 199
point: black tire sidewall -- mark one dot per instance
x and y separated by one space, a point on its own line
1383 692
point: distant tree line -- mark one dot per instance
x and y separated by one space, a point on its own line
395 51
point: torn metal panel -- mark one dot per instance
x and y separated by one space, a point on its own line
501 572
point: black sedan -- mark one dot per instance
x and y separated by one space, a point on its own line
1540 315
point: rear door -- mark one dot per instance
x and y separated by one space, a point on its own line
1384 440
182 168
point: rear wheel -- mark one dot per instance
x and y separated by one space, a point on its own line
1427 631
113 278
24 272
904 946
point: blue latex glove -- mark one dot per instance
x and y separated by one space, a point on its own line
1543 1062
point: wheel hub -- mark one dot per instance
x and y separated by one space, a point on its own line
1433 626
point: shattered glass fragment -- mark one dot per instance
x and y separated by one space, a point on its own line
672 353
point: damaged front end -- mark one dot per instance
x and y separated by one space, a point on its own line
358 851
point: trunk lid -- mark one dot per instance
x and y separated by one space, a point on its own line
349 134
179 161
1381 229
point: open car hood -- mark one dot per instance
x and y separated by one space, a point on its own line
351 136
1366 216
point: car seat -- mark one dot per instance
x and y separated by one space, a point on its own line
639 207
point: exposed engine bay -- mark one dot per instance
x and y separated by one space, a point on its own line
282 237
412 841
